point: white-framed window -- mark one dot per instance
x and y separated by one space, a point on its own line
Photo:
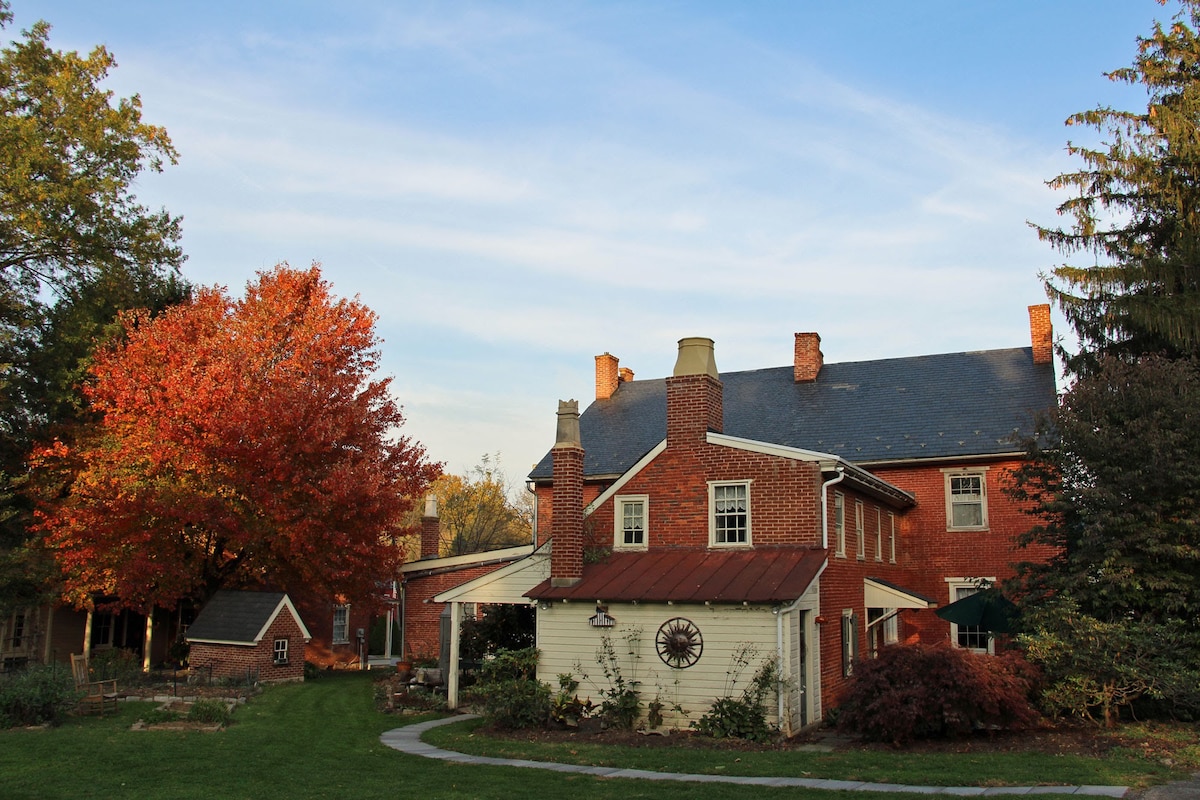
883 628
966 499
860 537
970 637
629 516
839 524
341 624
878 534
729 513
892 537
280 652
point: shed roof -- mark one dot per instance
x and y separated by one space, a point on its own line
694 575
238 617
952 405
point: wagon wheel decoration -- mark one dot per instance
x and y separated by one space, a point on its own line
679 643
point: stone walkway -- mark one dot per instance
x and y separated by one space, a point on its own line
408 740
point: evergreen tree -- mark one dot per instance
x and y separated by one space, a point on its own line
1135 210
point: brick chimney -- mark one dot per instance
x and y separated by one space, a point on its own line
1041 332
625 374
808 359
431 529
607 376
566 523
694 394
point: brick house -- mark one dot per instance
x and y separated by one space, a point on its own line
805 514
253 636
424 619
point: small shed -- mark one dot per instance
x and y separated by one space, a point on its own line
249 636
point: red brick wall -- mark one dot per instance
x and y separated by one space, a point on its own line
237 662
422 616
784 504
317 614
545 505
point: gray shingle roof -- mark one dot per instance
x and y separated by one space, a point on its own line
947 406
234 616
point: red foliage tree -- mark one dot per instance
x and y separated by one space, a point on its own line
240 443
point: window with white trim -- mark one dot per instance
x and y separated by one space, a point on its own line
839 524
849 641
280 652
966 500
729 514
341 624
969 637
860 538
629 515
892 537
878 534
883 628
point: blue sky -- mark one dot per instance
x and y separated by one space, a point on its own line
517 187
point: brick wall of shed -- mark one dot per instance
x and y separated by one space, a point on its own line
245 662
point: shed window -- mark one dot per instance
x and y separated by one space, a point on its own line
281 652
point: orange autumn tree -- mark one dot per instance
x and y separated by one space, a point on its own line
239 443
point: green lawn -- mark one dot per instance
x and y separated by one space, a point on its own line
321 740
1125 768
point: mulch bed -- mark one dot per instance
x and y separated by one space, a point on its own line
1065 738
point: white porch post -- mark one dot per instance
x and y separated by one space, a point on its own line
47 650
87 635
452 678
147 641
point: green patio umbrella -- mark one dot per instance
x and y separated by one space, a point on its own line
987 609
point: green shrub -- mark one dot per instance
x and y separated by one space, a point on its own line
920 691
125 666
36 695
512 695
156 716
209 711
743 717
622 703
1096 669
566 708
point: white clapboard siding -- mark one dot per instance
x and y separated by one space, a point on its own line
570 645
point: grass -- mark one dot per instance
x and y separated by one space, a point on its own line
321 739
1127 766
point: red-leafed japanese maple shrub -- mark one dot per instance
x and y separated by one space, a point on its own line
922 692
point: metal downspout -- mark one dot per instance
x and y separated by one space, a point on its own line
841 476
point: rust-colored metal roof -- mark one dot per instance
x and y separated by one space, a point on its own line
692 575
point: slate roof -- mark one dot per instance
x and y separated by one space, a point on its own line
946 406
693 575
239 617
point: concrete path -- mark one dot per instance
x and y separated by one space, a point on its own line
408 740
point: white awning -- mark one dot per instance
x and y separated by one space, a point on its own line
879 593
